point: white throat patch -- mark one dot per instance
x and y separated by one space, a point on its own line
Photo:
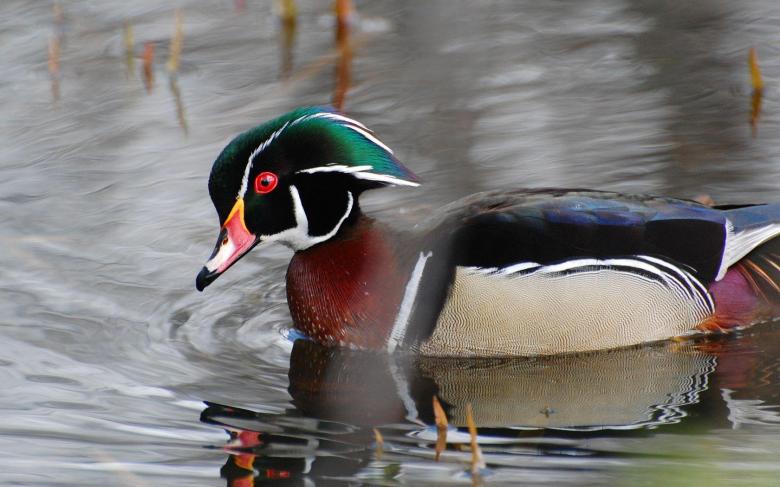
297 237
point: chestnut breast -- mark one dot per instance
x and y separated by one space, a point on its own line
347 290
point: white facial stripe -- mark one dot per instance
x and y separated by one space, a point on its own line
249 163
367 134
224 253
298 237
335 116
370 176
336 168
360 172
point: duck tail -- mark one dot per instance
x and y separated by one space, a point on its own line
761 268
749 290
748 227
752 217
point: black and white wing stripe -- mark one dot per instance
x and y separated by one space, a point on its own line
646 267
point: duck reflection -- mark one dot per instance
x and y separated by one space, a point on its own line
626 388
339 395
264 447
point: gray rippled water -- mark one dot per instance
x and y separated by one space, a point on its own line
115 370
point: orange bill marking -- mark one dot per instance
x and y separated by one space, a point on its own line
238 208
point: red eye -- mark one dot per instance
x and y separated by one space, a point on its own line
265 182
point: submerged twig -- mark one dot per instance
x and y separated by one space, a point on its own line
344 14
380 444
441 427
55 50
127 35
148 66
477 461
54 66
180 114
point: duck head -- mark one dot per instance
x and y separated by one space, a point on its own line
294 180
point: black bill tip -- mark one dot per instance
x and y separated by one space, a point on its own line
205 277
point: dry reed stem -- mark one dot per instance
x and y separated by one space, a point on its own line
757 83
174 54
180 114
441 427
288 12
54 56
148 65
477 461
54 66
344 13
59 15
380 444
129 41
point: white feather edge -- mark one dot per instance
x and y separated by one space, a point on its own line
739 244
405 310
569 265
655 266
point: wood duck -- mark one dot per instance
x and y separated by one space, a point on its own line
518 272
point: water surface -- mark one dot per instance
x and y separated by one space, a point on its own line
115 370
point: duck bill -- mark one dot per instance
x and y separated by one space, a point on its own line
234 241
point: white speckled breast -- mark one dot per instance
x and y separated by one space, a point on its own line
538 313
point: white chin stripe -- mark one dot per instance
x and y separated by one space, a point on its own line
341 168
297 237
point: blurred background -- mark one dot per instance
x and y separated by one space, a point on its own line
112 114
